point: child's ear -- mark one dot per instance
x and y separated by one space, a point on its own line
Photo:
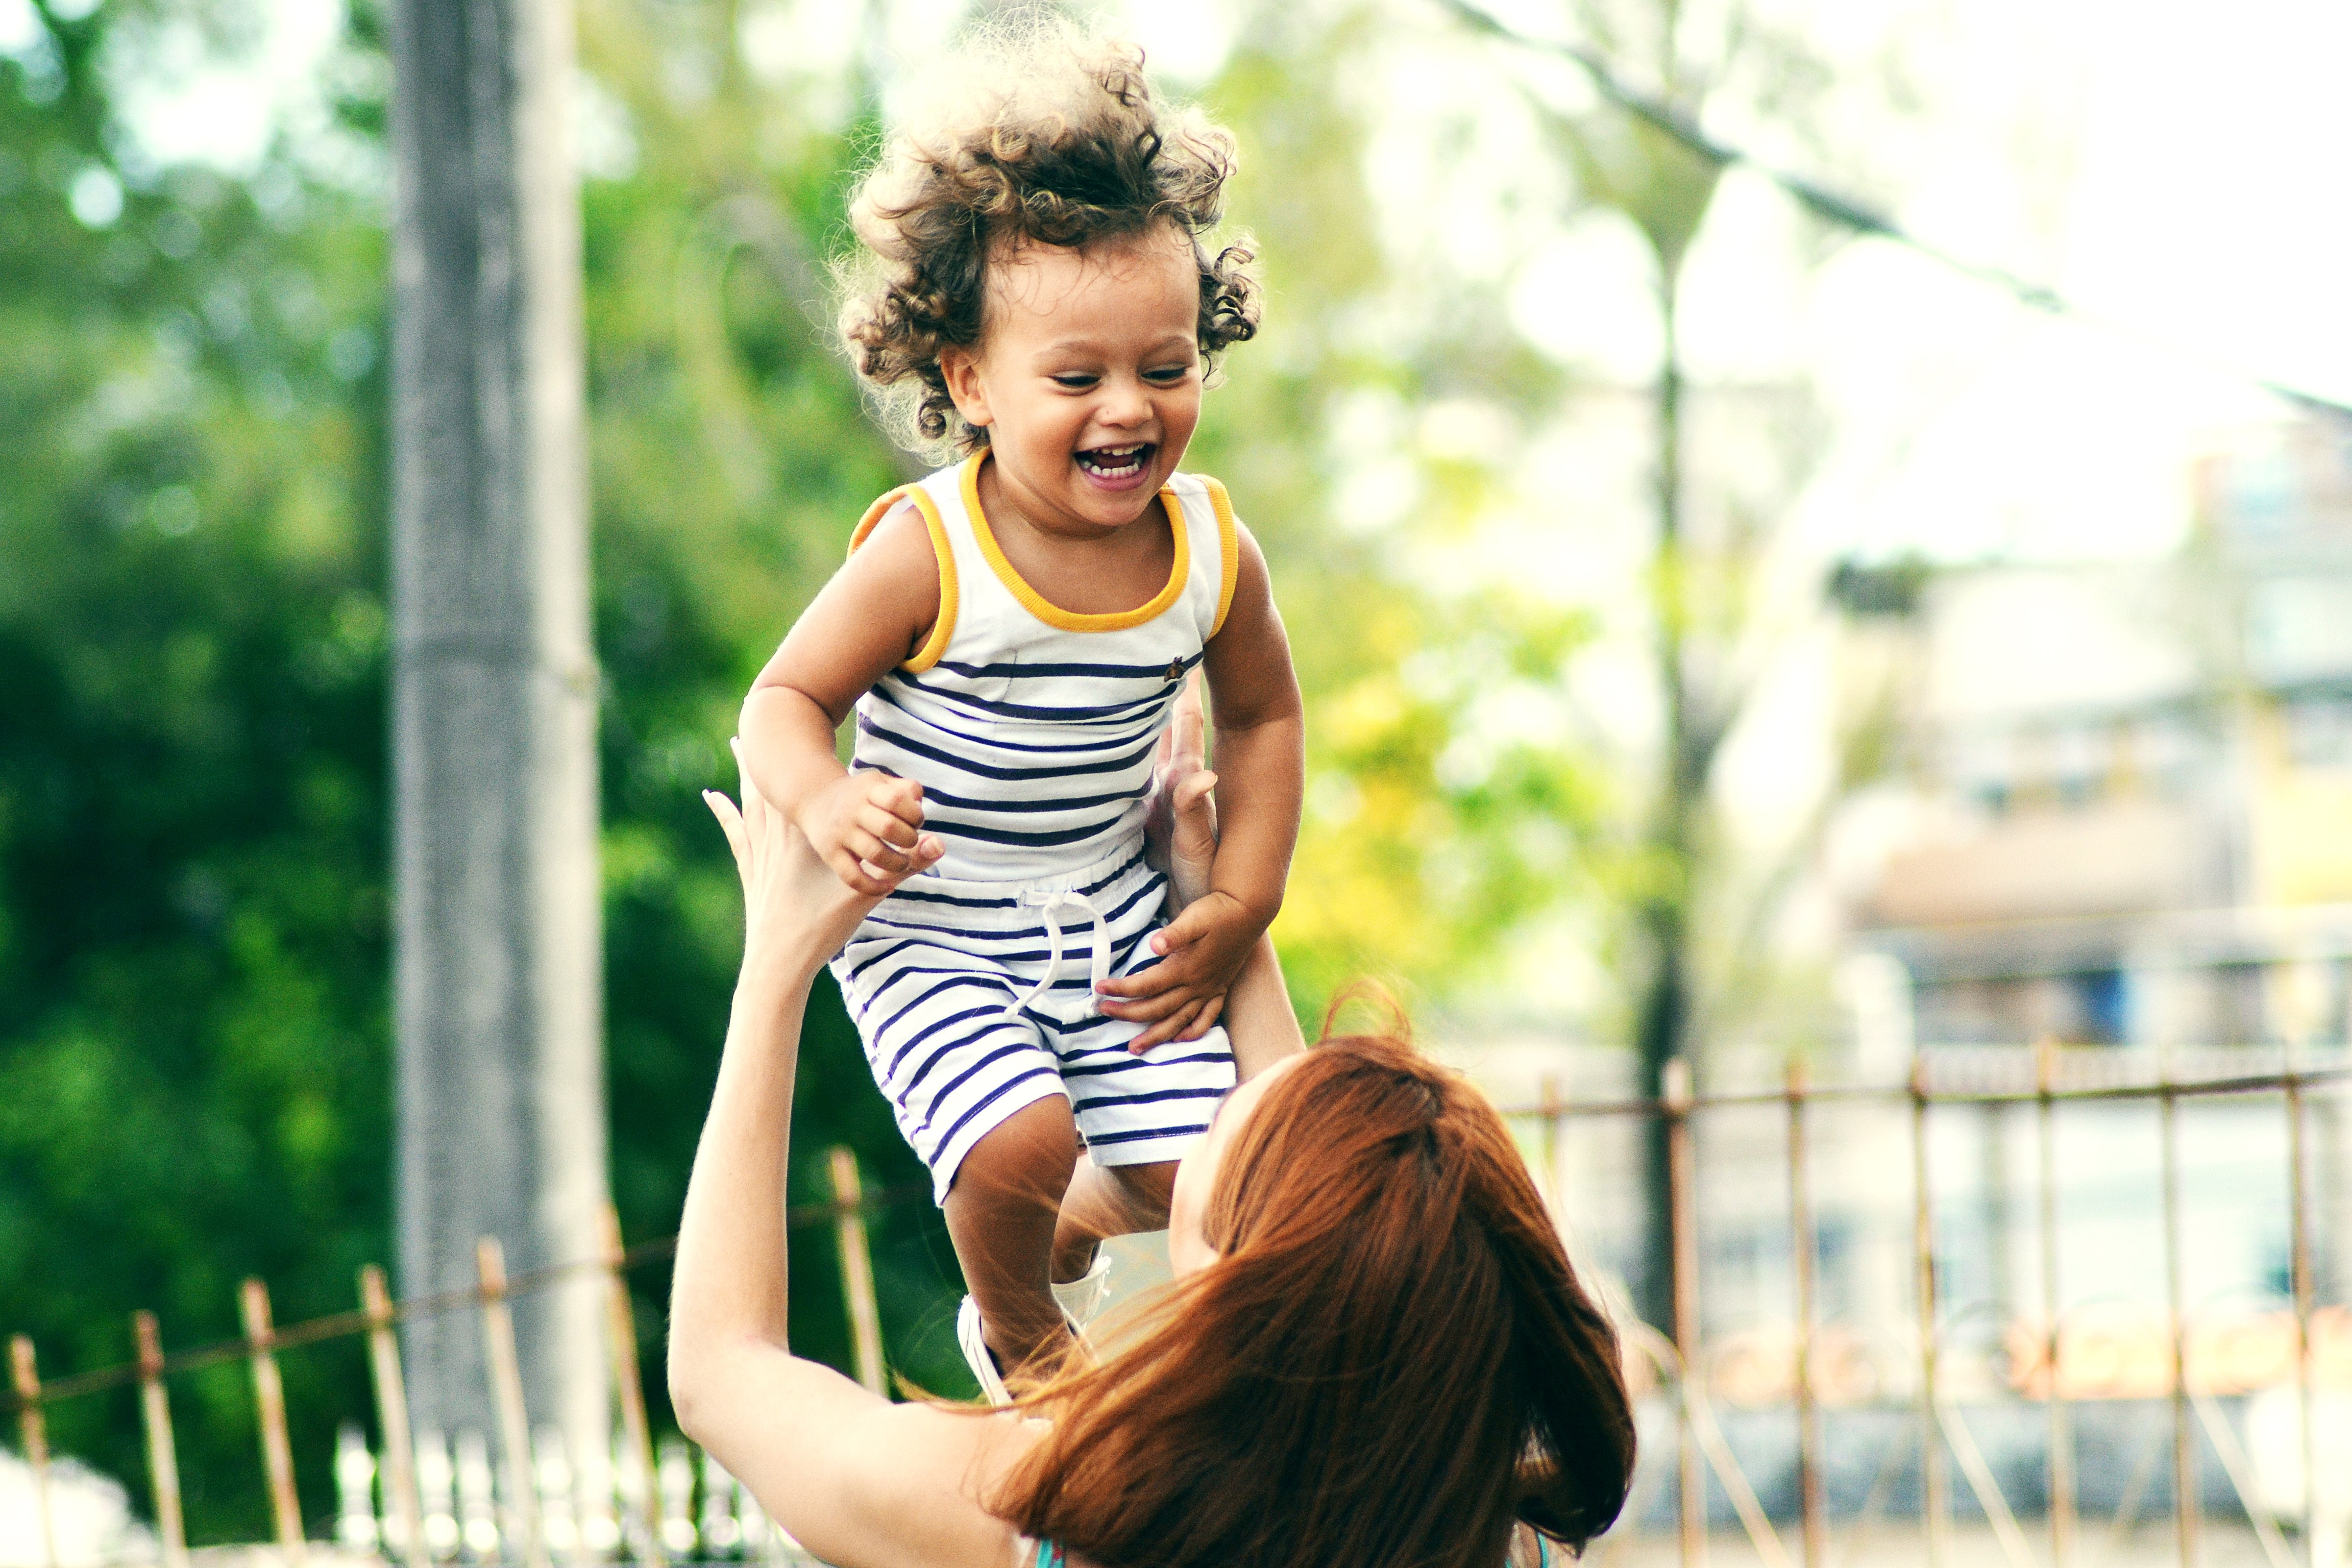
960 369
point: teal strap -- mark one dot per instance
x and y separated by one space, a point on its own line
1049 1554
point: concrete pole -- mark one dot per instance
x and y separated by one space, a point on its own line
498 969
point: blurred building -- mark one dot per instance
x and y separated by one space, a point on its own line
2130 814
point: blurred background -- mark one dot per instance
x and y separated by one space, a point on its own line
1730 627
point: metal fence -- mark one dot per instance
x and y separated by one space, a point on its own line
2040 1369
412 1500
418 1500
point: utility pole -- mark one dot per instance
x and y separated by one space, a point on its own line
498 974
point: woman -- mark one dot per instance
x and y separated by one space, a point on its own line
1375 1353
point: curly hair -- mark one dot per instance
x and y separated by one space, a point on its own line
1034 133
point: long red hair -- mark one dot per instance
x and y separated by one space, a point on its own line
1389 1366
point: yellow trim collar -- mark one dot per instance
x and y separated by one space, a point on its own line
1229 549
1045 609
943 628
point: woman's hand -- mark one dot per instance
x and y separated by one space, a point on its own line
1180 825
794 907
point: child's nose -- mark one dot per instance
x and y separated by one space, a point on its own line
1124 402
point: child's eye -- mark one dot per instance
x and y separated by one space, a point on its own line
1168 375
1075 382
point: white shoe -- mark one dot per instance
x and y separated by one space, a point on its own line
975 1353
1083 1298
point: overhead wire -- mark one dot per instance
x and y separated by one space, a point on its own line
1851 213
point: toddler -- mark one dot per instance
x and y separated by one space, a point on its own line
1012 634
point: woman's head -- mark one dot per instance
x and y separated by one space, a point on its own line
1038 138
1381 1357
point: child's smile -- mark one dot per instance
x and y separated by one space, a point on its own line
1117 467
1087 382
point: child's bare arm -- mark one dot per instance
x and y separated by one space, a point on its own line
1261 766
874 613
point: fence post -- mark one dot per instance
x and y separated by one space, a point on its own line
628 1386
2300 1283
403 1504
2060 1435
269 1404
2184 1435
33 1427
162 1455
1932 1507
1801 1247
1683 1223
857 1269
506 1391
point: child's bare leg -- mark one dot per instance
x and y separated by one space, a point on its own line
1106 1201
1001 1213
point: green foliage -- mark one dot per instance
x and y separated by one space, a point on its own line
194 1062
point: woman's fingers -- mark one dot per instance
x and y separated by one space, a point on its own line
730 821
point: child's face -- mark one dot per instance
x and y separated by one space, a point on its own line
1087 379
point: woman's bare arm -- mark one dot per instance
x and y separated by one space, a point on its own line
860 1482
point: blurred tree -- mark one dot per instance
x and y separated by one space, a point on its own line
1429 837
1716 618
194 1065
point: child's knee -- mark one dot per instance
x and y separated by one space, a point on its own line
1027 1158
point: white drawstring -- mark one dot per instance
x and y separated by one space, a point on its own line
1050 903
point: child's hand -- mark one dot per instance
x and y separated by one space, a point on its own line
1202 951
868 828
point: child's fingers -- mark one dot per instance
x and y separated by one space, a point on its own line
900 798
1205 1019
1148 1009
1195 921
1194 789
854 877
1177 1026
919 860
888 826
1151 982
882 856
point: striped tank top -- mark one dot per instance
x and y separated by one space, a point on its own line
1030 728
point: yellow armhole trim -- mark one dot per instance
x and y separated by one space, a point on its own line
942 629
1045 609
1229 548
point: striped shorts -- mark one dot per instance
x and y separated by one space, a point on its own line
943 981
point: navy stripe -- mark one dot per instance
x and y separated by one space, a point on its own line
1042 839
1154 1098
1121 946
860 966
904 891
1074 803
1133 1060
995 1017
884 694
988 1100
1106 671
1098 713
982 770
1141 1134
987 981
971 1071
